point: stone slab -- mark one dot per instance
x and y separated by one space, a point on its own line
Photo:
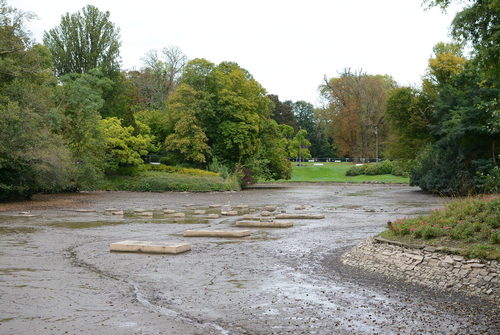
150 247
216 233
229 213
260 224
300 216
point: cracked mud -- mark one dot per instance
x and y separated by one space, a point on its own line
57 275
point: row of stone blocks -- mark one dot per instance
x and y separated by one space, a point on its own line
176 248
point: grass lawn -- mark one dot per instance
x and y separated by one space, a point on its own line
335 172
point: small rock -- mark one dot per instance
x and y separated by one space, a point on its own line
169 211
200 211
266 213
179 215
117 213
270 208
213 216
300 207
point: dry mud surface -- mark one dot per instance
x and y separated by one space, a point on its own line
57 275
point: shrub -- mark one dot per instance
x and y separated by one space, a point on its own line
372 169
402 167
473 220
221 169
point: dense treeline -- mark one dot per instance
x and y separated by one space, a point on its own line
70 116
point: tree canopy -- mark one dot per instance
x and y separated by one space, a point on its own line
84 41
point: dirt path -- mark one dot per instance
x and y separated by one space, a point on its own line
57 275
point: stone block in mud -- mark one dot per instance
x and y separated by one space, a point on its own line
200 211
300 216
150 247
111 209
242 206
145 214
169 211
300 207
139 210
270 208
266 213
213 216
216 233
179 215
229 213
117 213
215 206
261 224
85 210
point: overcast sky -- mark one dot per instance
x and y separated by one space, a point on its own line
287 45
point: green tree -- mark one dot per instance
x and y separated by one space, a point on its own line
32 157
464 145
299 146
478 24
84 41
80 98
409 113
121 146
188 137
282 112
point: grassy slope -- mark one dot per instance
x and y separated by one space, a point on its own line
335 172
470 227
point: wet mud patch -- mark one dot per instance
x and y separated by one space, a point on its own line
85 224
16 230
360 193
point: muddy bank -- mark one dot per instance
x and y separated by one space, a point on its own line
57 274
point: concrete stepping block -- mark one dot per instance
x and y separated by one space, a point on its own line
270 208
300 216
216 233
111 209
215 206
261 224
200 211
229 213
213 216
150 247
169 211
117 213
300 207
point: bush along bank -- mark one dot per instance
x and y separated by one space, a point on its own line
161 178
